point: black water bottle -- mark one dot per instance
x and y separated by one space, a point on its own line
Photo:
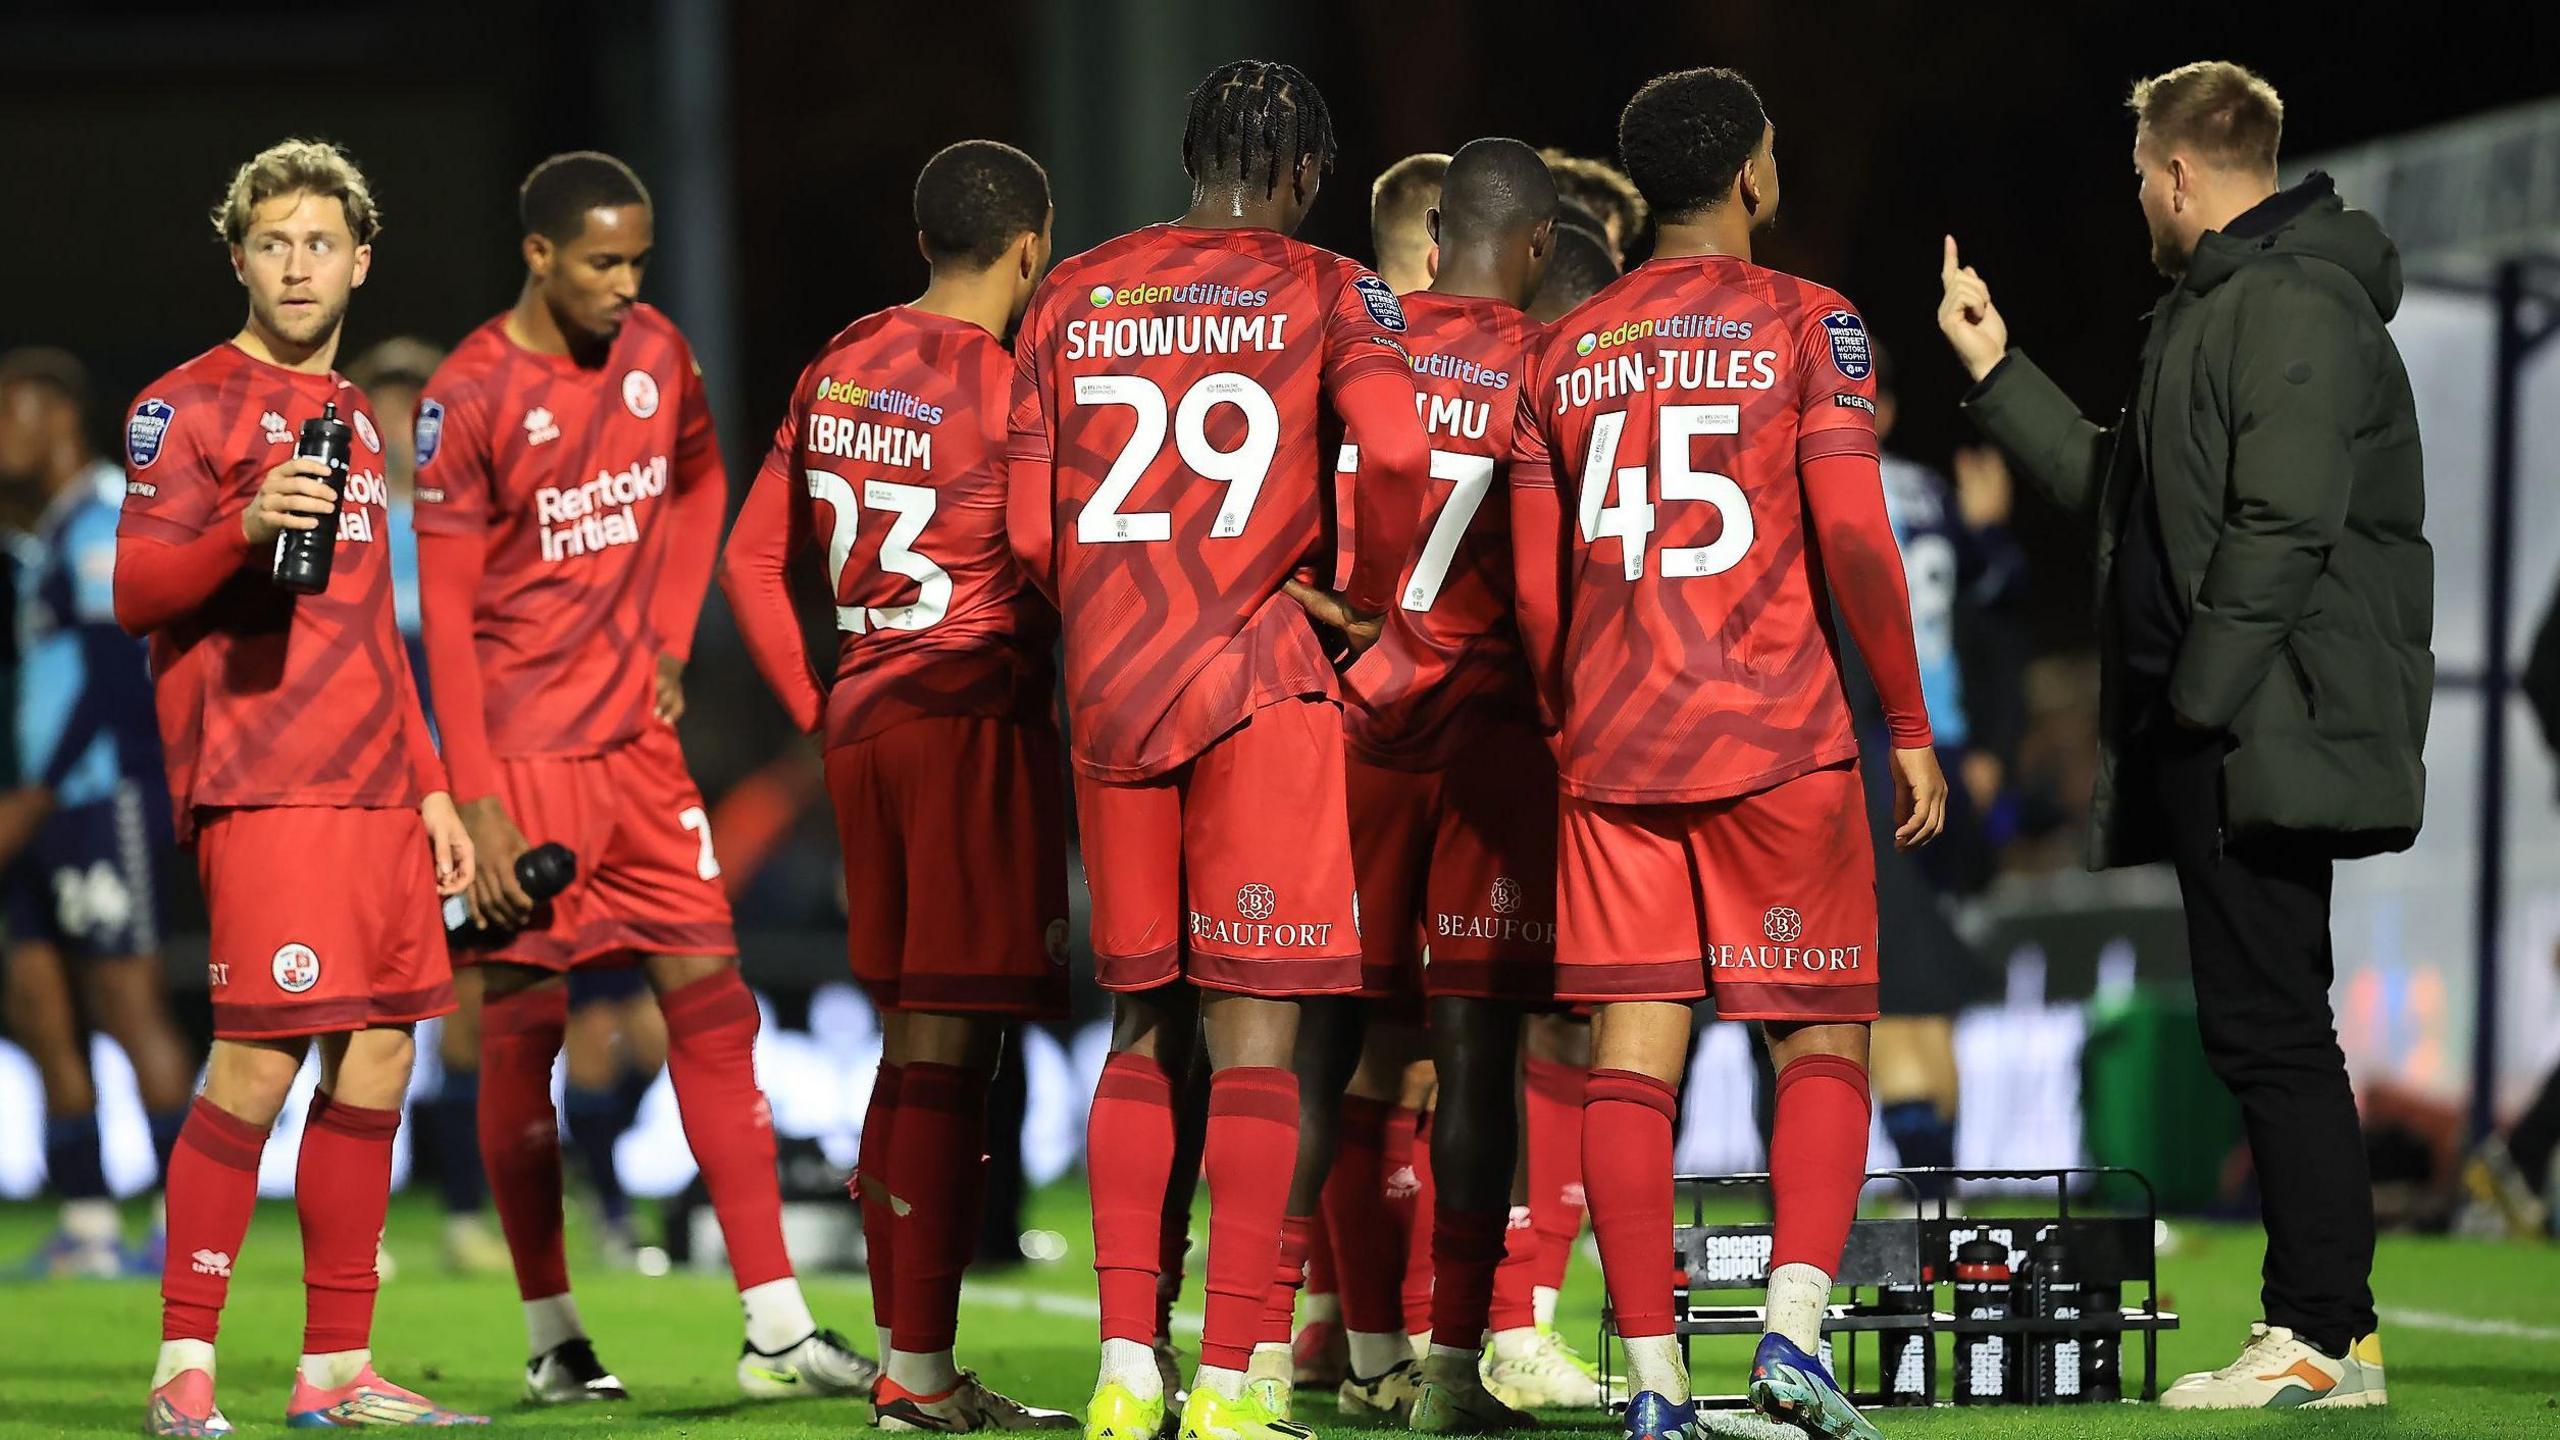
543 871
2103 1367
2057 1294
1983 1367
1910 1360
303 557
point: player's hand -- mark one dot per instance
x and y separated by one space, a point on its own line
496 898
1984 488
1968 319
1359 631
1919 797
449 841
670 702
292 497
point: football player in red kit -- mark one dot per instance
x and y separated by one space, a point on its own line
941 750
1166 484
1714 423
1452 785
295 748
568 510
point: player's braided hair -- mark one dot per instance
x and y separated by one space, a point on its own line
1255 116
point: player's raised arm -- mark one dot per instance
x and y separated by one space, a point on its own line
753 574
1844 506
697 499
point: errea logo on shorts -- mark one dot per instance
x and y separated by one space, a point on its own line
296 968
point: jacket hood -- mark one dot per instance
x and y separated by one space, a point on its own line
2307 220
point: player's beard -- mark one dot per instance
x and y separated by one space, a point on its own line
2166 257
302 327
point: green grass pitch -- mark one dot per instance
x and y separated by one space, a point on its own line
2471 1331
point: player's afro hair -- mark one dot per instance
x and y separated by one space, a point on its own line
974 198
1251 120
558 194
1685 136
1494 187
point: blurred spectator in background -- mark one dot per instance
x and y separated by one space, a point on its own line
393 374
1602 189
1399 239
1581 265
84 895
2513 1180
1965 575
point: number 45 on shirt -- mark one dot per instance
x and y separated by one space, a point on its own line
1630 518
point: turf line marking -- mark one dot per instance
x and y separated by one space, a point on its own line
2471 1325
1045 1302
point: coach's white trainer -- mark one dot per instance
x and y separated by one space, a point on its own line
2277 1370
820 1364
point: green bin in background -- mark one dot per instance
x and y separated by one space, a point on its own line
2149 1102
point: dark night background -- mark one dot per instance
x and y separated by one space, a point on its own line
2003 122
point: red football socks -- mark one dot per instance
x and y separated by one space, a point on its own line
1515 1282
873 1186
1129 1150
938 1158
520 1132
1368 1250
1626 1166
711 1058
1466 1245
1280 1307
1817 1160
1416 1303
1253 1121
1553 1115
342 1190
212 1188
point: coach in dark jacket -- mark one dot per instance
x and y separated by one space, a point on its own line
2265 598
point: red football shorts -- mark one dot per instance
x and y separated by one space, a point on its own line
648 882
1232 871
1460 862
323 920
1766 900
955 865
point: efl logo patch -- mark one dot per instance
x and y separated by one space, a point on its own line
640 393
429 431
144 432
1849 352
296 968
1380 300
365 432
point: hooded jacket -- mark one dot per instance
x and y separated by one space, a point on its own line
2272 431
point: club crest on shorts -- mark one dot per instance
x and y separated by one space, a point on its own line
1256 902
296 968
640 393
1380 300
144 432
1056 940
1506 895
1782 925
1849 353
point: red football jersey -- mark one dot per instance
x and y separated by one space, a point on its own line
1673 408
1449 656
1174 378
267 698
892 454
566 471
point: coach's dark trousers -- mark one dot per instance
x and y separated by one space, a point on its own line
2258 939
